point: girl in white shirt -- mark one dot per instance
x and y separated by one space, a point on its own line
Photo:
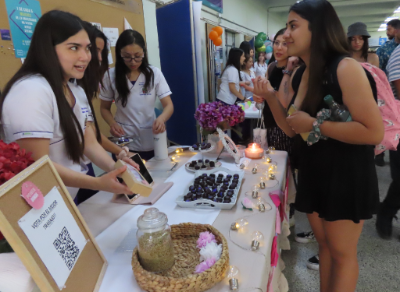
46 114
260 67
247 75
230 81
135 86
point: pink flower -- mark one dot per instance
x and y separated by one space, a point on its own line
203 266
205 238
247 203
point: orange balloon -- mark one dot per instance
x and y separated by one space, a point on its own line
219 30
218 42
213 35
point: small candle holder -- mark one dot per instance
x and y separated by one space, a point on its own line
254 151
254 193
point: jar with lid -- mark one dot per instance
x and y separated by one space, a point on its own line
155 247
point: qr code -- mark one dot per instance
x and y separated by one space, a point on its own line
66 248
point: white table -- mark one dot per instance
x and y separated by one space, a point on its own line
252 112
114 226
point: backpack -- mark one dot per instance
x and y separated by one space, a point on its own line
383 94
389 108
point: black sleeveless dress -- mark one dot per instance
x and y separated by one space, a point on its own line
275 136
337 180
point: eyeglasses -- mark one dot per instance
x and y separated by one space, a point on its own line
277 44
129 59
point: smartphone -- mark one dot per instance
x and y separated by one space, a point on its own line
143 170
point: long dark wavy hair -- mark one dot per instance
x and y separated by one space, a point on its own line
92 78
53 28
130 37
234 60
364 49
328 41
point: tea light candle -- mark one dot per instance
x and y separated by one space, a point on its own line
254 151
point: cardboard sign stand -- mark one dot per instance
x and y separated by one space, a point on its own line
91 265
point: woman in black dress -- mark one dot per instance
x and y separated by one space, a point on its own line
337 184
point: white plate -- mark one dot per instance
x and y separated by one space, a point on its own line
217 164
204 151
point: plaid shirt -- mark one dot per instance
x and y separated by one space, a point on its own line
384 53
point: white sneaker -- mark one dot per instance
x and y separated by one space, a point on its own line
305 237
292 221
313 263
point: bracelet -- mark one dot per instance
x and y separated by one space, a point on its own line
288 72
315 135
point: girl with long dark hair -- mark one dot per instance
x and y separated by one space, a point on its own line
230 89
358 36
46 114
261 66
337 181
135 85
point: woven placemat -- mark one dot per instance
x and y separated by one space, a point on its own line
181 277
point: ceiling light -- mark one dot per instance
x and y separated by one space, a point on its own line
397 10
381 29
390 18
383 25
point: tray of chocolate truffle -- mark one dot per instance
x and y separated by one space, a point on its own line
217 188
203 147
201 164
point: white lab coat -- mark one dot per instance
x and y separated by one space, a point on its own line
138 116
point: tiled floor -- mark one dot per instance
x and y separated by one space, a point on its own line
379 259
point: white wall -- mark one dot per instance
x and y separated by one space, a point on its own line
150 25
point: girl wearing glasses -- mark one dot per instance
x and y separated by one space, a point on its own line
135 86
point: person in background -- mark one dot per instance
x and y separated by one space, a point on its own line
260 67
315 34
384 51
46 114
391 204
135 85
91 83
230 89
247 76
357 36
247 49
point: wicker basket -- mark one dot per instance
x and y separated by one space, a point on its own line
181 277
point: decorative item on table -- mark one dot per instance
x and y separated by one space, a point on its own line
155 247
179 150
262 182
217 115
201 164
238 224
257 240
202 147
267 159
216 188
13 160
247 204
263 205
254 151
254 193
233 277
229 145
272 169
182 275
160 146
255 169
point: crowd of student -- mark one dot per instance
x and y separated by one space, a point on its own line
47 108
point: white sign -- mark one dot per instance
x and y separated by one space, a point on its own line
126 24
112 34
110 58
55 235
97 24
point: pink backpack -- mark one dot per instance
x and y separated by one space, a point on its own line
389 107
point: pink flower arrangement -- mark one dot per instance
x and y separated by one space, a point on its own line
203 266
204 239
209 115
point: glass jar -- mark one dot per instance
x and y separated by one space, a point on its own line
155 247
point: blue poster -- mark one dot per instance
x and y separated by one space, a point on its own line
22 16
214 4
382 41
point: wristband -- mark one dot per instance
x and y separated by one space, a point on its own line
288 72
315 135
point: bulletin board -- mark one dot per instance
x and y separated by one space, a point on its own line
87 10
91 265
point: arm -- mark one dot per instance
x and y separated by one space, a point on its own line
40 147
366 127
232 88
373 59
168 110
105 110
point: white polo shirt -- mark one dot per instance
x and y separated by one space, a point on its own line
260 70
30 111
138 116
231 75
246 77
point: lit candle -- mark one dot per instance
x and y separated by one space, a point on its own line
254 151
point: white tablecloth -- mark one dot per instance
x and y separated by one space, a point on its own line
252 112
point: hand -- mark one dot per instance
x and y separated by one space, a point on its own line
261 88
292 63
109 182
300 122
124 153
159 125
116 130
131 162
258 99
